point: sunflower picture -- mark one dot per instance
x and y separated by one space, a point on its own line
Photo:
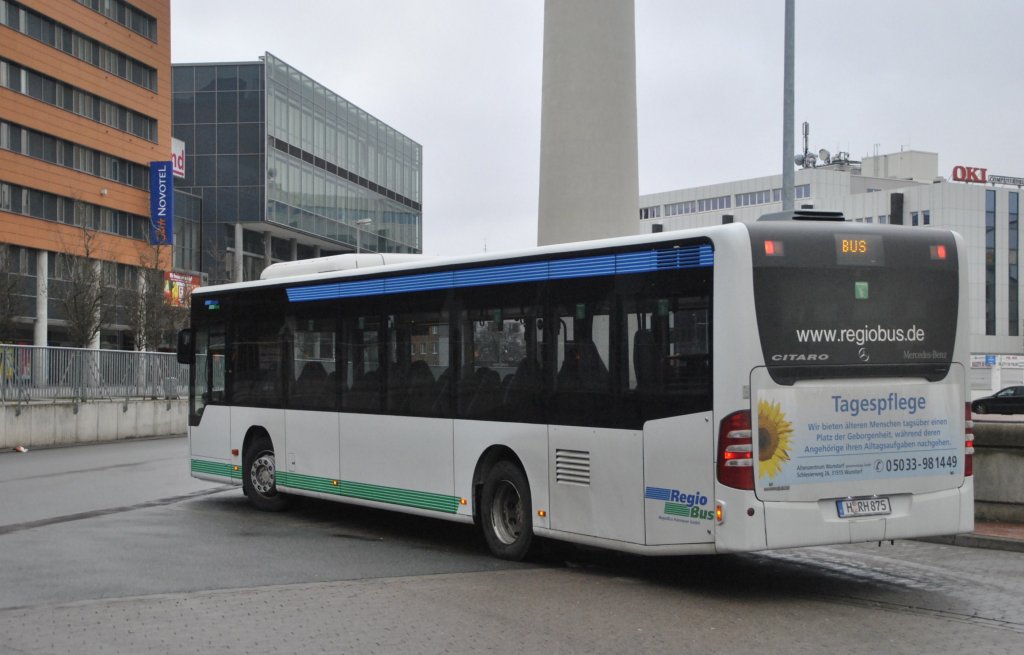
773 438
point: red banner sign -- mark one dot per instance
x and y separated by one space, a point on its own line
970 174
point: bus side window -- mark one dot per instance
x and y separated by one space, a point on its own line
479 389
418 358
360 357
256 359
669 357
523 388
583 348
583 393
500 344
313 383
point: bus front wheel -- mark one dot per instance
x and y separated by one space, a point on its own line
260 476
506 512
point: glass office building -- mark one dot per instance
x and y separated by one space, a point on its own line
287 169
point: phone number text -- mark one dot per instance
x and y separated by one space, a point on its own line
910 464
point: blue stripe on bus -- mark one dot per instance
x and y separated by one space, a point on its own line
422 282
475 277
657 493
559 269
636 262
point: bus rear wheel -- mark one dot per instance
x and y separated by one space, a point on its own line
260 476
506 512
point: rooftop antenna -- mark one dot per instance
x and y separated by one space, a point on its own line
807 159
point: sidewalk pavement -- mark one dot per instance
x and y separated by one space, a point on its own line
988 534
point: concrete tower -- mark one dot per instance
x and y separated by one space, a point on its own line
588 151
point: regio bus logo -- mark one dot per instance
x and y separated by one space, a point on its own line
679 504
800 357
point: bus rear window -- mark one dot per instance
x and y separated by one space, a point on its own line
879 302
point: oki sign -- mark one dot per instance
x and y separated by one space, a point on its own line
969 174
178 157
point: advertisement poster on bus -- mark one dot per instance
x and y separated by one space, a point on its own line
854 433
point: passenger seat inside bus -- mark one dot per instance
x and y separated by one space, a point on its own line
524 391
583 369
645 360
486 390
364 395
311 388
422 393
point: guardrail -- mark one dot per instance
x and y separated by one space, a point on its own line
41 373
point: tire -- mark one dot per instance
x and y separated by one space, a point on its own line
980 408
259 477
506 512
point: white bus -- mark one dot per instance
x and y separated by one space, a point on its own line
796 381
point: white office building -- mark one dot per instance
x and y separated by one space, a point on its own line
901 188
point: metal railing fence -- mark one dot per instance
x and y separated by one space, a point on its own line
35 373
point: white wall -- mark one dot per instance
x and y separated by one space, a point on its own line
42 424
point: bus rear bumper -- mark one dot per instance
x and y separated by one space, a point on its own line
946 512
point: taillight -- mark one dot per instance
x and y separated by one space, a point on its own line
736 451
968 441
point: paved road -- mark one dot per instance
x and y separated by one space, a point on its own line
203 573
61 483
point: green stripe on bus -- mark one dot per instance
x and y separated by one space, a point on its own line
675 509
390 495
216 468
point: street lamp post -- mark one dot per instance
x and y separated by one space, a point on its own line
360 224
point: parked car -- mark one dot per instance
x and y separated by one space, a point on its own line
1005 401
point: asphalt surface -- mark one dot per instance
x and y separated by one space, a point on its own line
176 565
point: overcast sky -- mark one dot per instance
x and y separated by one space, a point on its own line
463 78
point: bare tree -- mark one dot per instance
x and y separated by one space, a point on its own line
80 291
11 302
153 318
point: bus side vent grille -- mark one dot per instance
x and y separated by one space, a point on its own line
572 467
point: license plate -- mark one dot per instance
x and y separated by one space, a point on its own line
863 507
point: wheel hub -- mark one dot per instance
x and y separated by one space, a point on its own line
263 470
507 513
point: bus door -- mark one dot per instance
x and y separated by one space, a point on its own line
209 416
670 378
596 457
311 383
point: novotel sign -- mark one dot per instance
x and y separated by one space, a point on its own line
982 176
161 203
